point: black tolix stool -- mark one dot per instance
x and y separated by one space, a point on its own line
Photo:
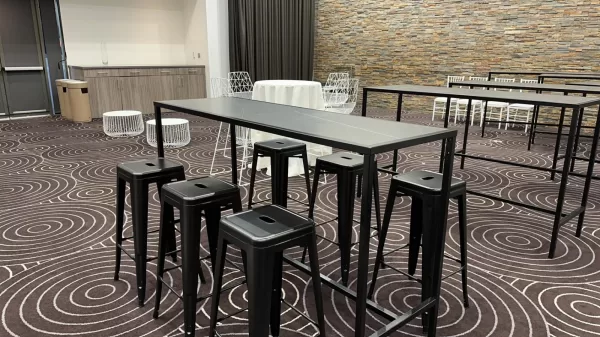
422 187
347 167
140 174
192 197
280 151
264 233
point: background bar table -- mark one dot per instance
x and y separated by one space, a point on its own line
576 103
539 88
352 133
590 83
569 76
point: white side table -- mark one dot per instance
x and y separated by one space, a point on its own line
124 123
176 132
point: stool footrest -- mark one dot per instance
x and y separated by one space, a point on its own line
300 313
172 268
454 272
395 250
230 287
351 243
160 279
231 315
289 198
126 252
404 273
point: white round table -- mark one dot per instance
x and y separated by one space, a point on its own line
126 123
304 94
176 132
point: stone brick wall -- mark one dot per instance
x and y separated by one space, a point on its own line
424 41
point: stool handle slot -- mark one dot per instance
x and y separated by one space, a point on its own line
201 185
426 178
150 164
266 219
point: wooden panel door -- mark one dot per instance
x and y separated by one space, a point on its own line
105 95
196 86
131 93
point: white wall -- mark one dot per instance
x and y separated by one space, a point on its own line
142 32
217 27
196 39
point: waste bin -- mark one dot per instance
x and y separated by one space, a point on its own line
63 98
79 101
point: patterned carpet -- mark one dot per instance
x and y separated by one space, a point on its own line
57 188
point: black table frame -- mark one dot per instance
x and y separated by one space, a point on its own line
541 88
560 218
434 245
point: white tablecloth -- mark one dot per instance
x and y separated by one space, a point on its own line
304 94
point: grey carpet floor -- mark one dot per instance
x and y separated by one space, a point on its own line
57 192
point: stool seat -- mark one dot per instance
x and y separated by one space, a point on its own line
281 144
266 226
343 159
200 188
149 168
428 182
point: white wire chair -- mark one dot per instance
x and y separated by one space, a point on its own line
347 107
476 105
222 87
525 109
335 91
240 84
437 110
502 107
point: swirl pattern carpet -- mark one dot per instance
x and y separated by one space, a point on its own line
57 214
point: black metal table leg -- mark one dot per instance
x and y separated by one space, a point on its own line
533 124
576 143
590 171
557 145
398 117
234 174
563 183
369 170
466 135
159 132
364 103
446 120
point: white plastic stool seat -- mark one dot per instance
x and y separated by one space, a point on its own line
126 123
176 132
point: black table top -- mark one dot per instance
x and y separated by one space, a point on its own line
516 72
346 132
581 76
590 83
531 86
491 95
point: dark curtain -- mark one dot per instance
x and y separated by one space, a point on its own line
272 39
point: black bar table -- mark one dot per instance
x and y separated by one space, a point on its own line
563 102
569 76
367 136
590 83
540 88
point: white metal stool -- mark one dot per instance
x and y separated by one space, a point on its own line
176 132
126 123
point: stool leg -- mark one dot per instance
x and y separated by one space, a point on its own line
359 185
218 283
213 217
236 205
190 244
427 264
462 227
119 225
306 174
313 198
166 226
276 293
416 228
171 243
139 210
252 177
260 268
316 281
345 184
387 216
